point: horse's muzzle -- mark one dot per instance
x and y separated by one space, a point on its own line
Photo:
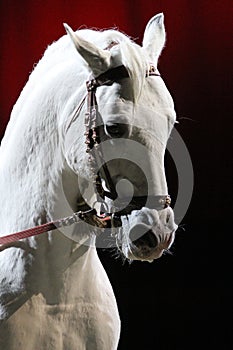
150 233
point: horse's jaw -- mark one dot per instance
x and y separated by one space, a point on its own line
147 234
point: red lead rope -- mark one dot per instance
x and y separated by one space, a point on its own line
37 230
28 233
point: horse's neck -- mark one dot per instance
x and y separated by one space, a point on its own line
33 199
31 171
31 194
41 264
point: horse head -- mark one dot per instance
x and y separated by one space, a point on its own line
133 117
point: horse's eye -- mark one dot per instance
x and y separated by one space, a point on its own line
115 130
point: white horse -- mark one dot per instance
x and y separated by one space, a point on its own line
54 292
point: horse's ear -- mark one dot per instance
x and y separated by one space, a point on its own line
154 37
97 59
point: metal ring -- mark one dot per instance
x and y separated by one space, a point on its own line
106 207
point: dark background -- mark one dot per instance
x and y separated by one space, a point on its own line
180 301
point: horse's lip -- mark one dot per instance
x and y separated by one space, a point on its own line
145 255
150 253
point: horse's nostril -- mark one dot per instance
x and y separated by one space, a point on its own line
115 130
142 237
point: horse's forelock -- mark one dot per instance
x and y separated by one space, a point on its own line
134 60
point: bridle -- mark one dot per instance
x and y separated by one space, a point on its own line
93 138
92 130
93 142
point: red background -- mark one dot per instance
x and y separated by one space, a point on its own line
189 298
